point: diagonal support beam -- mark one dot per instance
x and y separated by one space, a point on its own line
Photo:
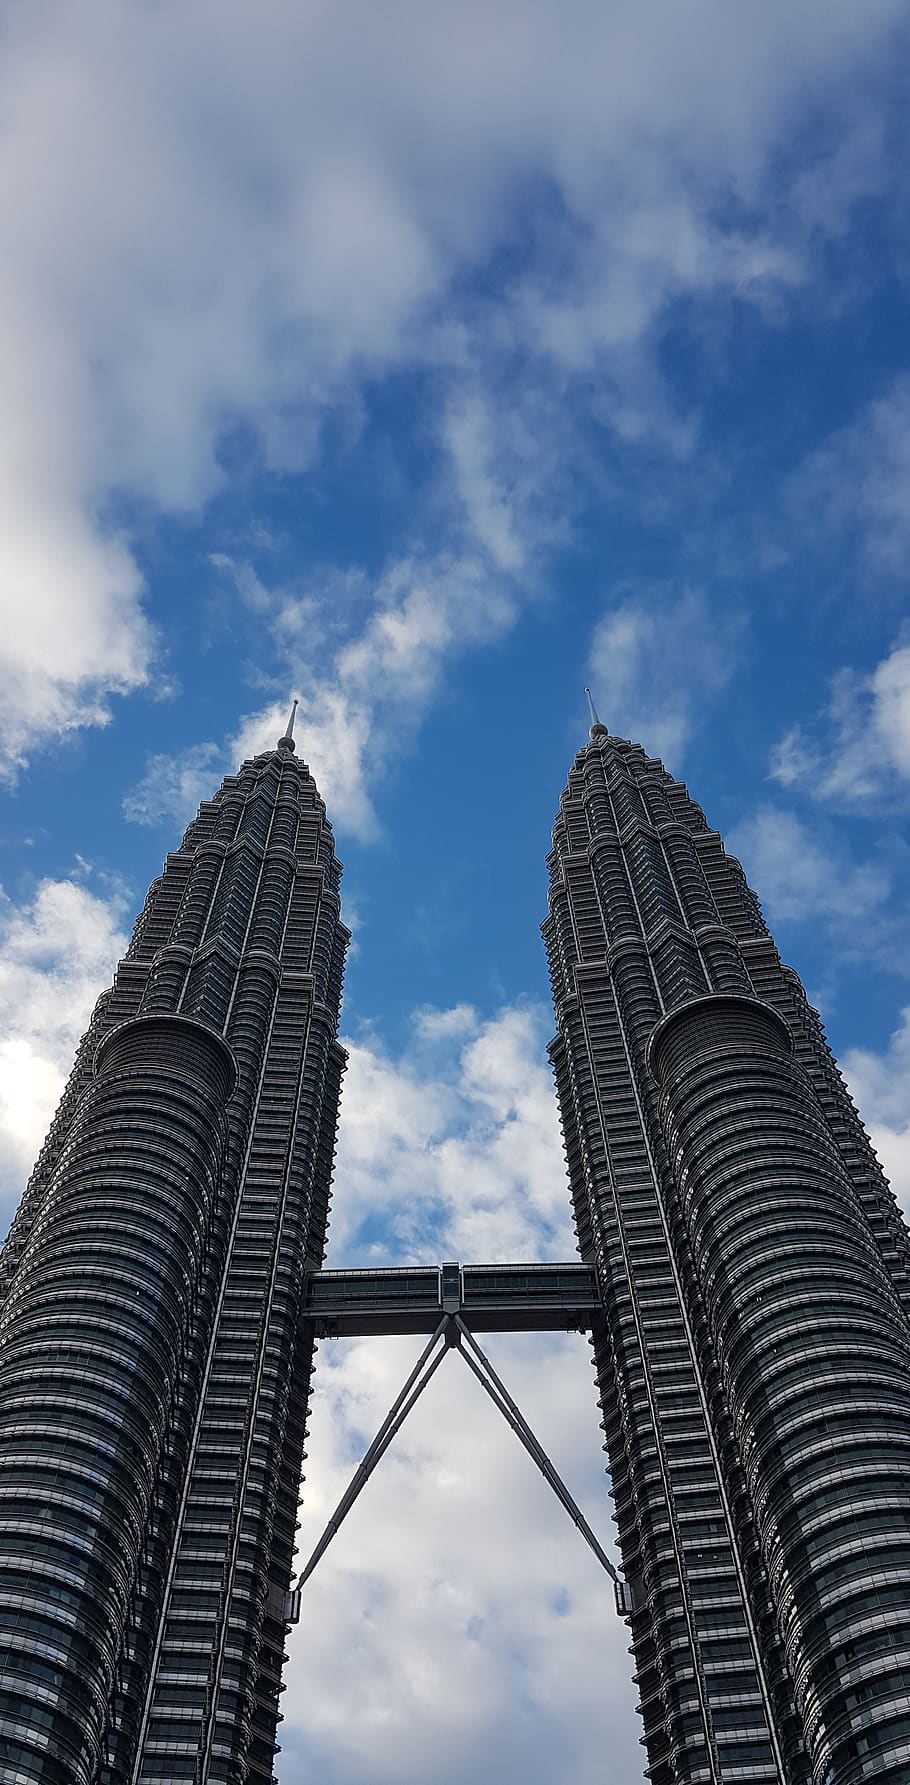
450 1334
424 1368
479 1363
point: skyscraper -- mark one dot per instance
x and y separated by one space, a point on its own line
753 1363
153 1370
745 1275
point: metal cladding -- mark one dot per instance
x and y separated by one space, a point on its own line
154 1373
753 1371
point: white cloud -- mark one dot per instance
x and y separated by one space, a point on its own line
891 697
173 786
802 876
361 711
653 661
806 874
510 465
445 1025
240 214
858 483
880 1083
459 1137
472 441
861 748
61 660
56 954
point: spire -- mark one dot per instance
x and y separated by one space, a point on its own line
597 730
287 742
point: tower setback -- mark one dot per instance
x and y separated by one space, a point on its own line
753 1362
154 1373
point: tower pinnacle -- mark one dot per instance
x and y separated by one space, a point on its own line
287 741
597 730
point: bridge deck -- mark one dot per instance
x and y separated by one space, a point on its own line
492 1298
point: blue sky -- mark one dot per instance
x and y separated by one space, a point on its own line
429 363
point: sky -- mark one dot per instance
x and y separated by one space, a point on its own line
428 363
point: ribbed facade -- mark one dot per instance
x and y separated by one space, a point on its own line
753 1365
153 1373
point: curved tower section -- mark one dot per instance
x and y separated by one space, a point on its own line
154 1374
753 1361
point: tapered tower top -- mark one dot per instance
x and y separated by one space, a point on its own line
287 741
597 730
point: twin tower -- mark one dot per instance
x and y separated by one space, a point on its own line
744 1274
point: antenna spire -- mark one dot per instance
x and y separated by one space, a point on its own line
287 742
597 730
